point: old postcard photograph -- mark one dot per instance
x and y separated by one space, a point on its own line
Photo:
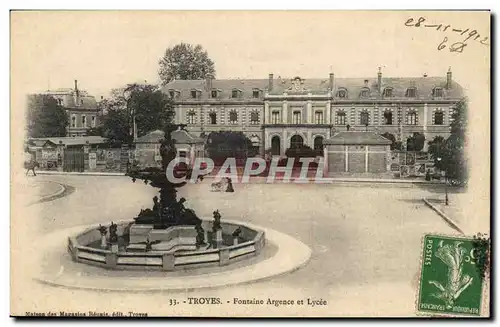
250 164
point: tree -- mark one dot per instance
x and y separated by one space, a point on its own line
391 138
436 149
185 62
455 160
415 142
225 144
451 151
151 107
45 117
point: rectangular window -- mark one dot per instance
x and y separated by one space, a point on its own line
254 118
93 121
84 121
183 154
233 117
341 118
439 118
213 118
172 94
256 94
438 93
412 118
318 117
411 93
388 93
364 119
234 94
73 121
214 93
194 94
297 117
191 118
275 117
388 118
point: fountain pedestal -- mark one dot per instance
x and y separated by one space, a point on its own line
218 238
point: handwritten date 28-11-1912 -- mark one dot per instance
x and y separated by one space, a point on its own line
467 33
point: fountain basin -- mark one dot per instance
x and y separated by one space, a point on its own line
176 251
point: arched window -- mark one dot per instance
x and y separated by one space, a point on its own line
364 118
318 145
73 121
233 117
191 118
84 121
342 94
213 118
439 118
296 141
340 118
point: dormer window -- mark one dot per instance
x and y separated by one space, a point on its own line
173 93
388 92
194 94
437 92
256 93
411 92
214 94
235 94
365 93
342 94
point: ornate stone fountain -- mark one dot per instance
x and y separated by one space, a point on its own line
168 236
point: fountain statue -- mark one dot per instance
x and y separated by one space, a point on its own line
167 211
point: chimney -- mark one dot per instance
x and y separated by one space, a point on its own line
208 82
379 79
270 86
331 81
76 95
448 79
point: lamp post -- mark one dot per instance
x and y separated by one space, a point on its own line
443 173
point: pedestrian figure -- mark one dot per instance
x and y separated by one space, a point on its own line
229 185
31 166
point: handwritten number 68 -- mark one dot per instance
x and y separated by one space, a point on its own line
455 47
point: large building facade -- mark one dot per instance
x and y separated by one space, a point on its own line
82 109
276 113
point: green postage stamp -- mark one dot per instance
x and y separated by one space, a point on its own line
453 271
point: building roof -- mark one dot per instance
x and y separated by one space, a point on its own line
180 136
77 140
85 100
353 86
357 137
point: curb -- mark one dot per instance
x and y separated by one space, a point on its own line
48 172
325 180
443 215
52 196
332 180
279 264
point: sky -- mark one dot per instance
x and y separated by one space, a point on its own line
108 49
